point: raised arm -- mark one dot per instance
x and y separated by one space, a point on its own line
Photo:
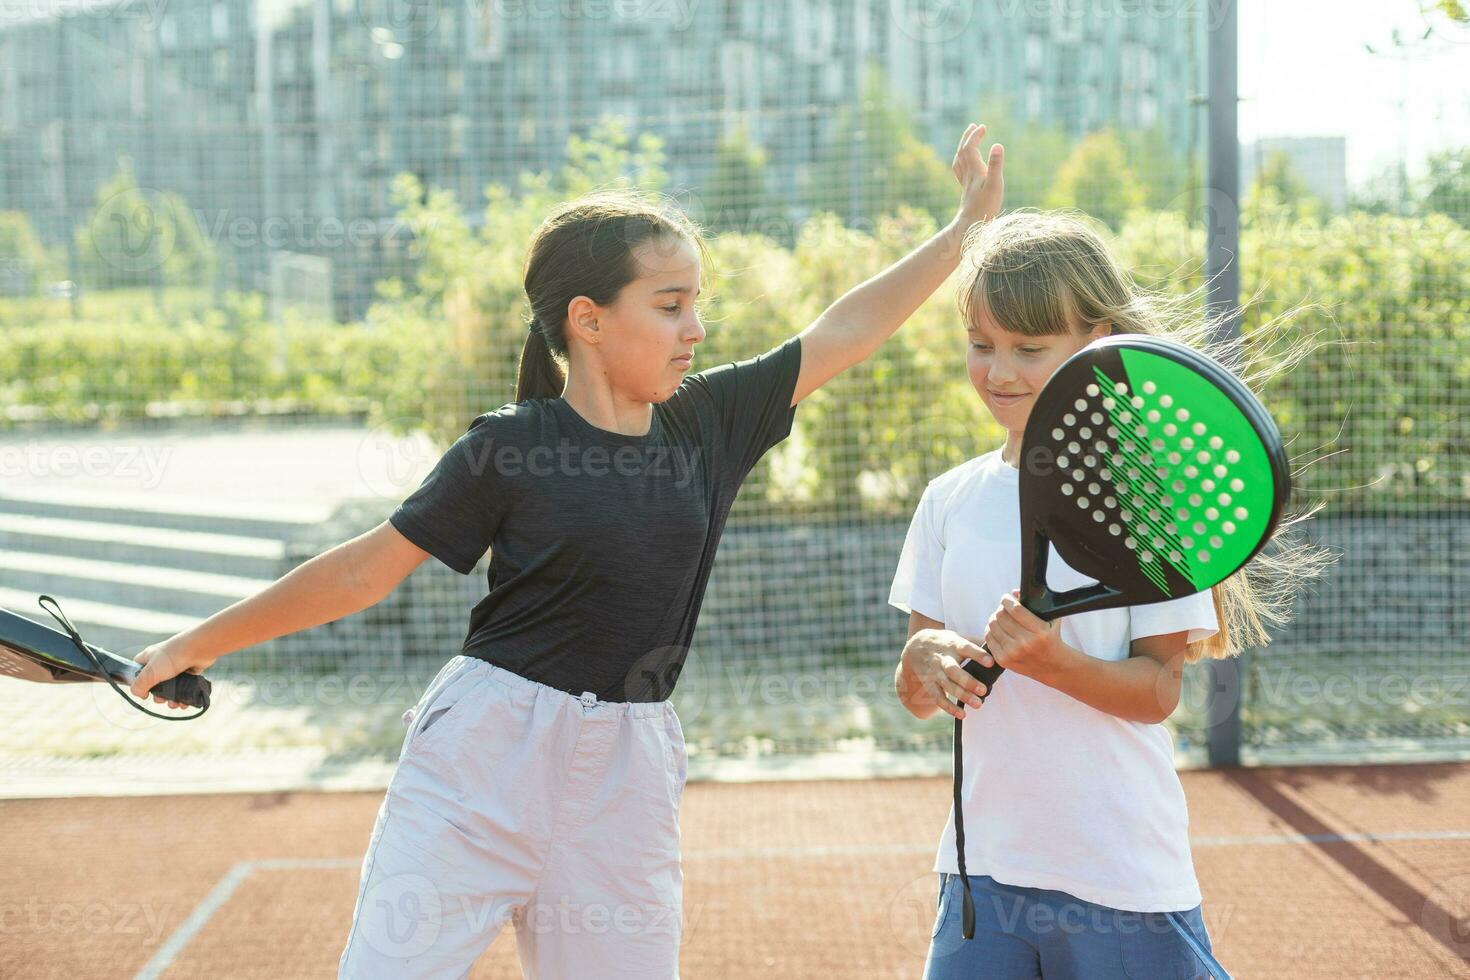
868 314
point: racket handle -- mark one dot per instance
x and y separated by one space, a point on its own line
985 675
186 688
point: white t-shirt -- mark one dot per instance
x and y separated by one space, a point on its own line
1057 794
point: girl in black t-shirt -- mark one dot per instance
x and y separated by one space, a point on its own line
540 777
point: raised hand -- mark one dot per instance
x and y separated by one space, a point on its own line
982 183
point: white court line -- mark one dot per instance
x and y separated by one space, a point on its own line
227 886
852 850
1407 835
218 896
858 850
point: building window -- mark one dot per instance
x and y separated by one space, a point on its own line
486 33
1066 23
456 133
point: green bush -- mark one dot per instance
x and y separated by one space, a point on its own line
1382 402
227 360
24 261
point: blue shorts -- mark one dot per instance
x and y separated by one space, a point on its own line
1034 932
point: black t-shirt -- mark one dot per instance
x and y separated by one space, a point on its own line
600 544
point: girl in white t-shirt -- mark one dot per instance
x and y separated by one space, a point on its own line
1077 851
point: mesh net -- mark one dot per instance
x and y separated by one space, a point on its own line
261 262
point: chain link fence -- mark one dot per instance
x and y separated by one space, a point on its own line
276 249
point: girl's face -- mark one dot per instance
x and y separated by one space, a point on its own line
647 336
1009 369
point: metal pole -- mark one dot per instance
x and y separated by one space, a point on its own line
1222 266
66 112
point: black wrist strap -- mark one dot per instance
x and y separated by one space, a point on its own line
76 638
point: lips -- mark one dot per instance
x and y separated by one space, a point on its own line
684 360
1013 396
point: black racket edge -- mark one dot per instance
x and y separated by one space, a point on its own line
186 688
1251 407
1256 415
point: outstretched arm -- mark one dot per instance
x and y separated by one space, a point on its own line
335 584
868 314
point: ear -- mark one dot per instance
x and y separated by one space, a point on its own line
582 315
1100 330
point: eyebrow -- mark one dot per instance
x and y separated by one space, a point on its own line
1025 338
676 289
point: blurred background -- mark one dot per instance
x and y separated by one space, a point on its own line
260 263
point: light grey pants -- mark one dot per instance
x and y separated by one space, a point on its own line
513 801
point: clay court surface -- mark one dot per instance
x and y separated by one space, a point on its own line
1307 872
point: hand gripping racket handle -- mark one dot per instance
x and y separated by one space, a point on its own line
985 675
186 688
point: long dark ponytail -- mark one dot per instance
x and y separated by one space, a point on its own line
584 248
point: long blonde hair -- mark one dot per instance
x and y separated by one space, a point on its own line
1047 272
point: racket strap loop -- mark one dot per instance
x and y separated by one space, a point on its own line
967 917
1217 972
76 638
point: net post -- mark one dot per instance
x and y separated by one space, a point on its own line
1222 248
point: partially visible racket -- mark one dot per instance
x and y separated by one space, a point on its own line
1151 469
33 651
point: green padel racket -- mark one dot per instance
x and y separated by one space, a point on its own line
1151 469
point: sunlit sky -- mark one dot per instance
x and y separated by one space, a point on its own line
1304 71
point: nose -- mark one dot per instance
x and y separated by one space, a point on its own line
697 334
1001 369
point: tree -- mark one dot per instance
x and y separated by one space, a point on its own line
24 261
1034 151
1386 192
1278 179
1097 179
470 280
1446 188
736 195
1169 179
142 237
1456 10
876 164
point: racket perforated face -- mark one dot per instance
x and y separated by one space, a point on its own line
1152 469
